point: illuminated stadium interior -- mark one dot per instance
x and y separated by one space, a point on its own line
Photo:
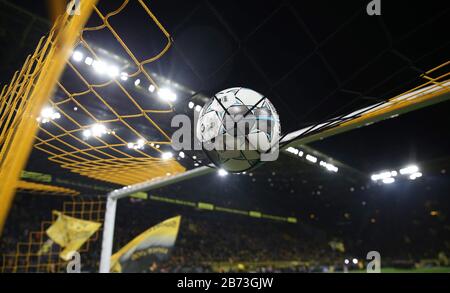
354 181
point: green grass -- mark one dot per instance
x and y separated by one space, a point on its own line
419 270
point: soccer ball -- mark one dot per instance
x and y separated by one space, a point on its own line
236 127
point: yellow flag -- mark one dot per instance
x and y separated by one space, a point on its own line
151 246
337 246
71 233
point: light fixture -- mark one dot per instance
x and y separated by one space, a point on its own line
167 95
328 166
312 159
413 176
123 76
113 70
381 176
99 66
389 180
191 105
292 150
98 130
87 133
48 114
166 156
88 61
355 261
137 82
151 88
198 108
181 154
222 172
138 145
409 170
346 261
77 56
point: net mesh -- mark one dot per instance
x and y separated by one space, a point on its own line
126 114
36 254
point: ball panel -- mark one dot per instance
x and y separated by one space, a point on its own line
239 149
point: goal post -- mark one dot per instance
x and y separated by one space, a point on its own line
115 195
25 96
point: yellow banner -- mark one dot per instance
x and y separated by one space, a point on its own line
156 240
71 233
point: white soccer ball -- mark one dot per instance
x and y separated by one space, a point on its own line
236 127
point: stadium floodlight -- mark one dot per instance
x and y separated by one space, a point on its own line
191 105
137 82
88 61
166 156
181 154
77 56
300 153
99 66
48 114
124 76
409 170
167 95
394 173
292 150
415 175
381 176
355 261
222 172
113 70
98 130
87 133
198 108
140 143
346 261
330 167
311 158
151 88
389 180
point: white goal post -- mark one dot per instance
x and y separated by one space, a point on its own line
404 103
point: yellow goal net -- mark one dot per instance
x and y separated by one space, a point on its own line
94 110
